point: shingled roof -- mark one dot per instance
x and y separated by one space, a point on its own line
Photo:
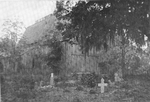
39 29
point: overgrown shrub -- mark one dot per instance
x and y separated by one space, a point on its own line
92 79
18 87
89 80
54 57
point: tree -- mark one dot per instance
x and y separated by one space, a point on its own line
12 31
95 24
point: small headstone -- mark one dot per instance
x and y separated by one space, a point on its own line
117 77
52 79
41 83
102 85
79 75
111 83
36 85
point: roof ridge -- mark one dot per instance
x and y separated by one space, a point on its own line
40 20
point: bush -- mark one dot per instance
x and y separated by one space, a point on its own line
18 86
89 80
92 79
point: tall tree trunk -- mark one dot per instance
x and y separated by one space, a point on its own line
123 60
123 55
3 64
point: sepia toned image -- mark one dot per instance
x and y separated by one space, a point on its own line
74 51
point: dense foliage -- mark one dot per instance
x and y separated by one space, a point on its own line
54 57
90 24
44 57
95 24
89 80
18 87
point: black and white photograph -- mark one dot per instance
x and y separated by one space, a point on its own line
74 51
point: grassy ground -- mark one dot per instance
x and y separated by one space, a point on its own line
134 89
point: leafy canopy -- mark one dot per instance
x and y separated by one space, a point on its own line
95 23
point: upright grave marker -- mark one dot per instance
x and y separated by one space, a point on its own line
102 85
117 78
52 79
41 83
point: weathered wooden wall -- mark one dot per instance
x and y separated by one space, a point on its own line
77 62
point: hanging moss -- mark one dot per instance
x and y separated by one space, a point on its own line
54 57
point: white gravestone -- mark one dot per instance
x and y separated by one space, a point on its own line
52 79
111 83
36 85
41 83
102 85
117 78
